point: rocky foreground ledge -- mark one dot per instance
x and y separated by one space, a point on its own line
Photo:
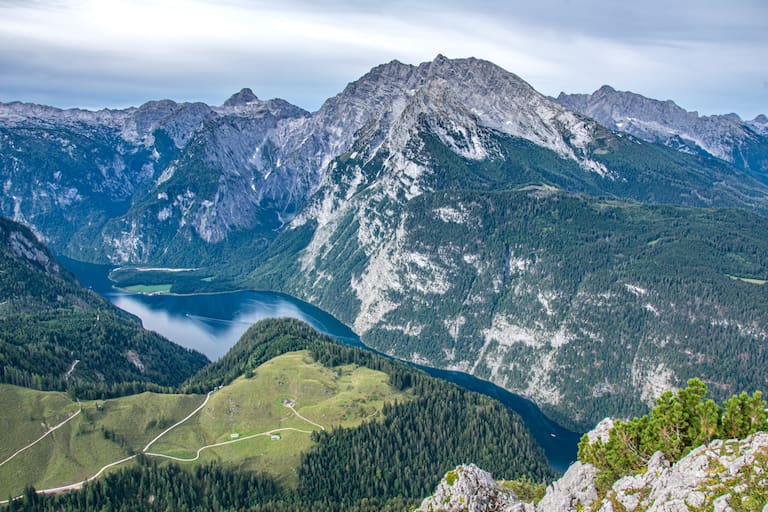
723 476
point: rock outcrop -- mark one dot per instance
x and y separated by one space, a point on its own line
470 489
724 476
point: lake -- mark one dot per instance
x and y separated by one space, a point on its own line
212 323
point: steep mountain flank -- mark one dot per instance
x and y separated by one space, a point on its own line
55 335
536 290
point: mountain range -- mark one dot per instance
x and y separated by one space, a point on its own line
449 212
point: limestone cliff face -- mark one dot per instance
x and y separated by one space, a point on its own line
725 475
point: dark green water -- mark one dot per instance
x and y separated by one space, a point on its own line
213 323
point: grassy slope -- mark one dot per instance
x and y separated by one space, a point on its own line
79 449
344 396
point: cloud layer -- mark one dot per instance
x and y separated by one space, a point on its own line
705 55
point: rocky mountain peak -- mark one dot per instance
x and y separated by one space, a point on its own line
759 124
470 72
243 97
605 89
464 94
471 489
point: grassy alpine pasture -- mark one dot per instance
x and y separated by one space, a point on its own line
342 396
109 430
103 432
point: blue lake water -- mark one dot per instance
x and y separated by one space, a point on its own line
212 323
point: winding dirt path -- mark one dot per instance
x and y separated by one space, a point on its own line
223 443
214 445
50 430
161 434
78 485
291 407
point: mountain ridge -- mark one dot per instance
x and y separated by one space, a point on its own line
727 137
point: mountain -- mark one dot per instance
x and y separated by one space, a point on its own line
54 334
448 211
317 426
191 184
139 184
535 289
727 137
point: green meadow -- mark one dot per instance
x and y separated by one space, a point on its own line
108 430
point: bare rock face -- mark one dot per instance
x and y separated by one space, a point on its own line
573 491
601 431
470 489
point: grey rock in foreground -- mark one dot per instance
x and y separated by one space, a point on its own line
470 489
718 476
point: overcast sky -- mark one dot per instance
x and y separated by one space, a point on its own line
707 55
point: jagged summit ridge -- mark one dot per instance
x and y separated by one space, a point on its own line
242 97
203 172
392 96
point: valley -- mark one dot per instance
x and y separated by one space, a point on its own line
212 323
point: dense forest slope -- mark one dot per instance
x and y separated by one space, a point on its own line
54 334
